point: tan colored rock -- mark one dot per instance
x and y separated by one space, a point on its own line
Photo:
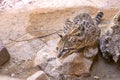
79 63
40 75
76 65
4 54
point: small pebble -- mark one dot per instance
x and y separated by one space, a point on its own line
13 75
96 77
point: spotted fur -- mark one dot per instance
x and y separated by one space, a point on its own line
83 32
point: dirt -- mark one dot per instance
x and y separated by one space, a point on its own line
23 26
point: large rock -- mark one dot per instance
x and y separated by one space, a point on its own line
47 60
4 54
40 75
71 67
110 41
78 64
110 45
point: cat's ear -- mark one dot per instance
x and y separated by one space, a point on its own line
60 35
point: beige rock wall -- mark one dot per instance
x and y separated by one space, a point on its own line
32 4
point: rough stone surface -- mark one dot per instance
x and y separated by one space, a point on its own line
47 60
110 42
43 57
78 64
74 65
110 45
4 54
40 75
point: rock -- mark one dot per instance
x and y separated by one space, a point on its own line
4 54
40 75
78 64
43 57
67 68
110 45
47 60
96 77
104 43
110 42
53 69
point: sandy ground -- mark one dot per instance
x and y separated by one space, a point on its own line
26 24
